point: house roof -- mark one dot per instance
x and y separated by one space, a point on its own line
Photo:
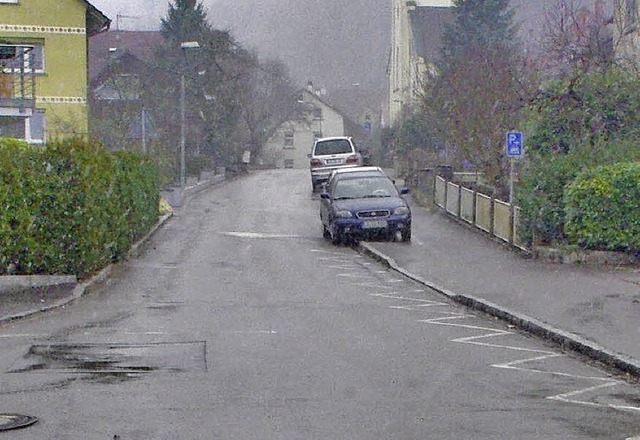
428 23
96 21
140 44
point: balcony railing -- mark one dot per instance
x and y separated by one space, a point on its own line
17 79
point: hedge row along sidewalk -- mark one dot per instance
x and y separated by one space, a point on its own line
72 207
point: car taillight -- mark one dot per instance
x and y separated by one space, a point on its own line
316 163
352 160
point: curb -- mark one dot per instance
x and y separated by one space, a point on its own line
564 339
82 288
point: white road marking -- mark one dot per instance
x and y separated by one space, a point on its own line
258 235
353 275
254 332
477 340
23 335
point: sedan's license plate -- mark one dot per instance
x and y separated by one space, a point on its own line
375 224
333 161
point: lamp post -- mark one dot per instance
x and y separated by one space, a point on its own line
183 166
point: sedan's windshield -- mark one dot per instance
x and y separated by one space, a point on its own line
364 187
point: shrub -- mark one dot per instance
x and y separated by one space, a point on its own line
603 208
72 207
573 126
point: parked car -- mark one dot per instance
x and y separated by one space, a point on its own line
329 154
364 205
349 171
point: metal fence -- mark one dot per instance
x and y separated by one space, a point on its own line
495 217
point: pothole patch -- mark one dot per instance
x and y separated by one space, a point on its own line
104 358
15 421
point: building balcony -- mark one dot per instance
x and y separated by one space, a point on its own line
17 82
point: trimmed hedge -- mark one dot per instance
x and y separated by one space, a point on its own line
602 208
72 207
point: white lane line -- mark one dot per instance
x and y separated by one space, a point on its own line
24 335
259 235
396 295
353 275
253 332
567 398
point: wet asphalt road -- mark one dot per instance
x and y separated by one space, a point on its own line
240 322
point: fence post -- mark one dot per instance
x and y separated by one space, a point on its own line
512 222
446 191
474 206
459 210
492 215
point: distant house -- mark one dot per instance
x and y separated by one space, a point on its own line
417 28
118 60
43 67
289 146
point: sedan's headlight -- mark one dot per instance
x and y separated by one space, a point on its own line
403 210
344 214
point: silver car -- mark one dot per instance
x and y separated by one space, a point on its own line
331 153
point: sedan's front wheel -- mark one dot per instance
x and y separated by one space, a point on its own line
336 236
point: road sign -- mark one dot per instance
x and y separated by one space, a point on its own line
514 144
366 127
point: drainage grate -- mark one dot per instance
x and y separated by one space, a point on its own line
113 358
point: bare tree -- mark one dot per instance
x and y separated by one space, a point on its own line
576 38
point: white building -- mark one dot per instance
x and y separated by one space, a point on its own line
415 40
293 140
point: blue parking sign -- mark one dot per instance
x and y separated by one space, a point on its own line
514 144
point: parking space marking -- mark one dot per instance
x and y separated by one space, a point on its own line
453 319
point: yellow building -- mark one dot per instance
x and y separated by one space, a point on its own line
43 67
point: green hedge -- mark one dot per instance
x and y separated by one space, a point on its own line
603 208
72 207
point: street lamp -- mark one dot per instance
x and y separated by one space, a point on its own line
183 168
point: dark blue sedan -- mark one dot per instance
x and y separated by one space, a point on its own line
363 206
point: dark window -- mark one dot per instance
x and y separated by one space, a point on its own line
288 140
16 127
37 126
13 57
333 146
12 127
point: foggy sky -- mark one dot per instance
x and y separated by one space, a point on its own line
334 43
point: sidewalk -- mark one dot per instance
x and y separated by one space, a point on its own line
592 310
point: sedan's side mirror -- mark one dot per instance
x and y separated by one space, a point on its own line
325 195
404 191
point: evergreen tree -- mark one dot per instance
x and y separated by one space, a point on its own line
186 21
478 88
479 26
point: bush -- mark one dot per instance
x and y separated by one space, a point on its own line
72 207
574 126
545 176
603 208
